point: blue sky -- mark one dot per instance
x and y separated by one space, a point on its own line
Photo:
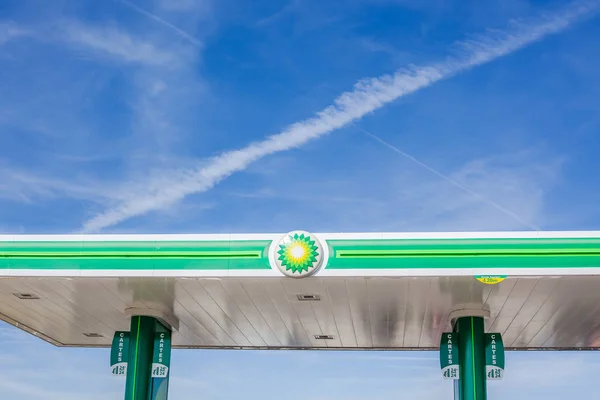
33 370
155 116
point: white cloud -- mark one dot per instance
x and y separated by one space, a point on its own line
368 95
56 97
23 186
163 87
112 42
183 6
163 110
516 182
396 194
10 31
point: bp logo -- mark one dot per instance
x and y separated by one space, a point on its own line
297 254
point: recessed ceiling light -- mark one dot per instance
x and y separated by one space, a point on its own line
309 297
92 335
26 296
323 337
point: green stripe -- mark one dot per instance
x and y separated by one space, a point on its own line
464 253
154 247
138 264
137 350
466 262
151 255
473 359
468 243
138 254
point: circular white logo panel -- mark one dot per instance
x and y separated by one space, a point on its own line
298 254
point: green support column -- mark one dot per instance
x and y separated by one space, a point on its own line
471 358
141 344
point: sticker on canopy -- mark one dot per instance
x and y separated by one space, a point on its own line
490 279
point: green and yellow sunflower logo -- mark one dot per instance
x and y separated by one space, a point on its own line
298 254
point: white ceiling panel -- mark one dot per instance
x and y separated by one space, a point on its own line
359 312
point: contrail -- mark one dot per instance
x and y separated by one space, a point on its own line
161 21
449 179
367 96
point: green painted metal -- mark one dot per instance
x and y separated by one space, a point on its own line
141 343
449 355
464 253
214 255
465 244
161 364
494 356
471 355
119 353
199 255
161 357
367 254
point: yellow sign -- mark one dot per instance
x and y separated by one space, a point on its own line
490 280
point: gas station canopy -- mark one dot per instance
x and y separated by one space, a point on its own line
539 290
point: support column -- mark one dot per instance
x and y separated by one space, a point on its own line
471 357
141 342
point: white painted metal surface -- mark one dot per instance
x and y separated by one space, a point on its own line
367 313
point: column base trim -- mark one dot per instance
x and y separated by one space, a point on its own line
165 318
477 312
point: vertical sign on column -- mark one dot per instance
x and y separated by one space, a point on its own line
449 355
161 361
494 356
162 355
119 353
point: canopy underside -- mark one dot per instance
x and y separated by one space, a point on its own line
344 312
